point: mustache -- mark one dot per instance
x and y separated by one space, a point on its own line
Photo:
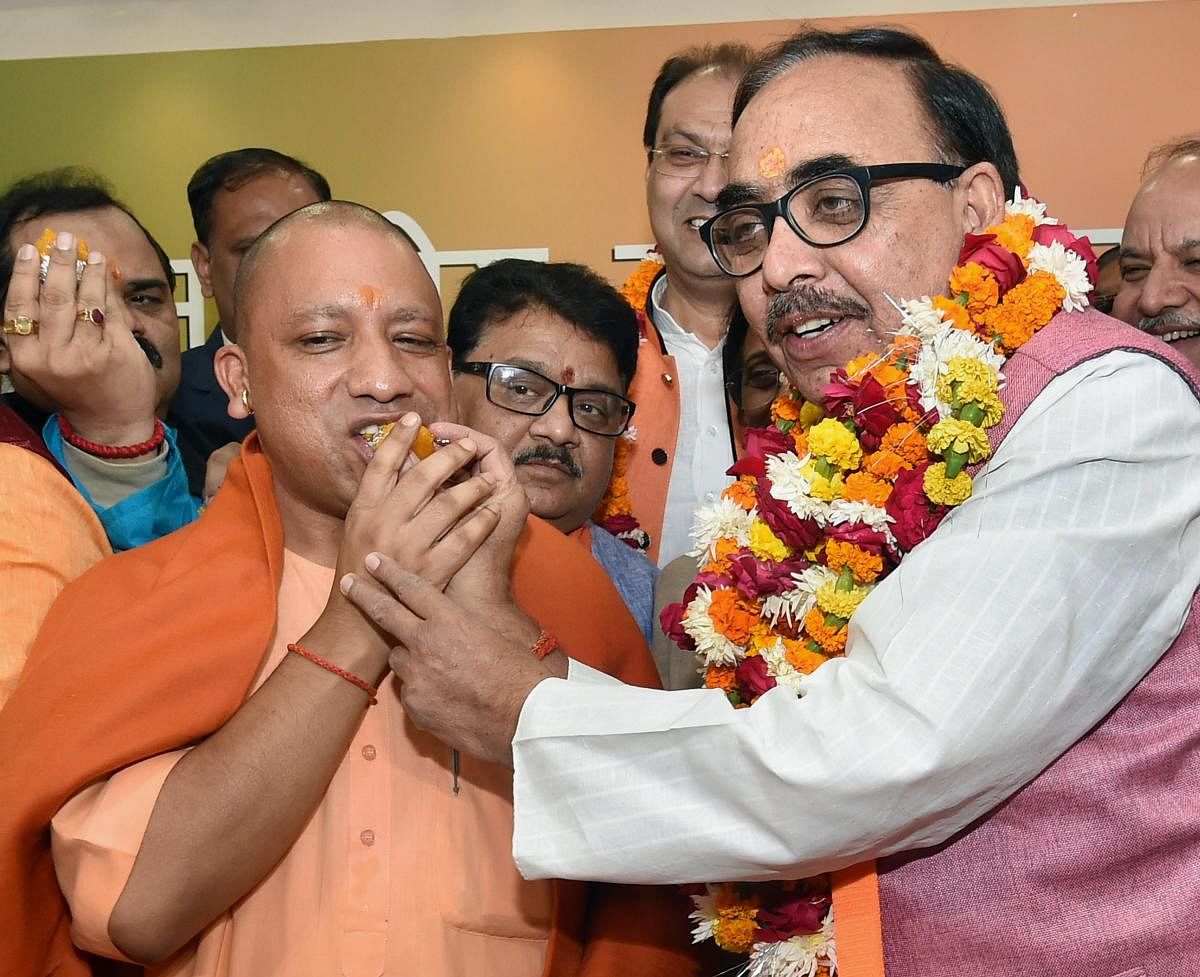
549 452
809 301
1178 320
151 351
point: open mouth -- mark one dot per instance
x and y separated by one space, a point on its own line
374 434
1174 337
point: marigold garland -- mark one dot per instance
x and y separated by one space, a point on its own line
827 504
615 512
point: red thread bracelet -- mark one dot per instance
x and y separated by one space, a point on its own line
112 450
544 645
329 666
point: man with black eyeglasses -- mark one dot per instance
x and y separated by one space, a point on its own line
684 440
1004 754
543 355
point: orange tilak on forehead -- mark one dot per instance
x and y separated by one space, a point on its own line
772 163
114 271
370 295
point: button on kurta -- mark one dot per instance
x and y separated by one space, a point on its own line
658 456
368 752
367 837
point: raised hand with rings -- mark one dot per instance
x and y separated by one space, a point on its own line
71 347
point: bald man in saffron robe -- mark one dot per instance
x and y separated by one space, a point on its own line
227 797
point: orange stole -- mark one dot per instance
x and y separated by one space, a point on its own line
118 674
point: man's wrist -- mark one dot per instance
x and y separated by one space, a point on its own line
120 437
344 635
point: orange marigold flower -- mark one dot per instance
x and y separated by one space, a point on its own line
979 284
865 566
800 439
636 289
730 615
860 365
954 312
862 487
784 408
1015 232
907 441
1026 308
742 492
802 658
885 464
832 642
735 933
720 560
905 348
721 677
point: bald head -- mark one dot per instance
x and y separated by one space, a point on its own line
277 242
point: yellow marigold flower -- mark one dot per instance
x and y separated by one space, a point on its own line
946 491
992 409
1015 232
887 464
843 603
862 487
907 441
785 408
865 566
832 441
765 544
735 933
804 659
961 436
826 489
979 284
954 312
967 379
831 640
742 492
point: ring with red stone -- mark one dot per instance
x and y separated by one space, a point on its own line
95 316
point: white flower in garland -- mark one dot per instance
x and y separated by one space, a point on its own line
1068 268
936 354
785 673
801 956
714 647
704 915
630 434
791 605
789 485
1029 207
721 519
919 318
842 511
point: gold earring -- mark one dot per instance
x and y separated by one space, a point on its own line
246 401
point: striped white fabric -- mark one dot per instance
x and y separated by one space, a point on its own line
1001 640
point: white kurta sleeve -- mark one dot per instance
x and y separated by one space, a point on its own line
1003 638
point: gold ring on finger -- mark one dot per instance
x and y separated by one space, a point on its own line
20 325
95 316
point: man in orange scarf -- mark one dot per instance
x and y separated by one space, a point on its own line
227 797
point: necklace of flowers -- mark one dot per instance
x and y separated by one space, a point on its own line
826 504
615 512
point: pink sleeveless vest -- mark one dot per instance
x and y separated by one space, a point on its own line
1093 868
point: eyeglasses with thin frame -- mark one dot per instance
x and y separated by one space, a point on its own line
526 391
825 211
683 160
755 386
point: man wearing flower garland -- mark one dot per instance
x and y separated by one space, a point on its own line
1010 731
684 438
1160 251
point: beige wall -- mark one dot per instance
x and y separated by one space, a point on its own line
533 140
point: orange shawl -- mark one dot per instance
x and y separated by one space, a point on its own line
157 647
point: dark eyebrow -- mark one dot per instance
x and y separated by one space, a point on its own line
145 284
691 137
534 366
1131 253
736 194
